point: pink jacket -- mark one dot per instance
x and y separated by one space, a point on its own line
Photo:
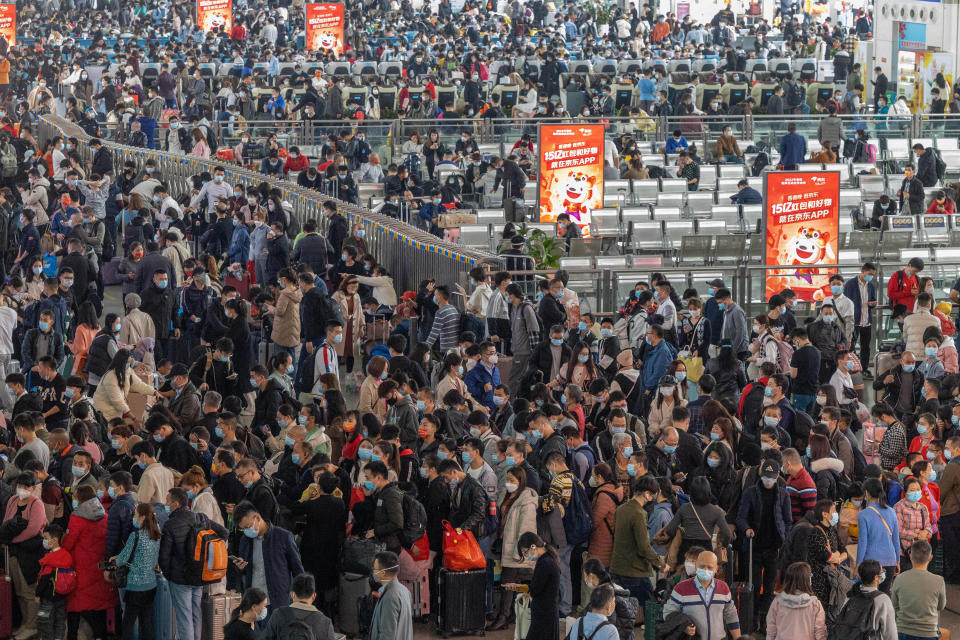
796 616
35 514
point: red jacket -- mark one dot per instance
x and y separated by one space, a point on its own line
59 559
86 540
900 289
238 32
300 163
947 205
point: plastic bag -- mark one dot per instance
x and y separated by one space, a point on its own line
460 550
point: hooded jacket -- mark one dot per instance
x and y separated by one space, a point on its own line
751 511
86 540
796 616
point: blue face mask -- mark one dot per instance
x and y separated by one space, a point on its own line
704 575
190 494
421 405
914 496
137 524
583 359
78 472
112 493
909 367
723 307
581 327
768 391
770 421
157 437
680 376
922 428
115 444
290 369
631 470
253 383
219 432
162 284
627 452
466 457
375 458
365 454
713 463
442 455
933 476
828 319
100 494
295 458
836 289
251 532
834 519
809 455
75 505
868 278
714 436
43 325
556 342
289 441
368 485
670 449
930 351
142 465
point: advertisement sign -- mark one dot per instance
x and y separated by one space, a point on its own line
802 220
214 14
912 36
8 23
571 172
324 27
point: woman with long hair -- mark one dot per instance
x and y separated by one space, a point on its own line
367 400
201 149
727 371
141 552
578 370
795 613
87 326
661 408
116 385
353 320
518 516
201 497
244 619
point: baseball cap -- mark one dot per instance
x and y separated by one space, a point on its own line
716 283
769 469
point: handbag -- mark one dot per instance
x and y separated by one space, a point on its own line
662 539
718 549
358 554
460 550
521 610
119 575
694 365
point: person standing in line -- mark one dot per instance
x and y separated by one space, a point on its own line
393 615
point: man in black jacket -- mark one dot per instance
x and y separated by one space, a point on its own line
174 561
879 85
336 230
511 175
268 401
150 263
551 353
76 261
159 302
388 509
551 309
120 515
911 192
259 492
174 451
469 500
102 160
311 249
926 165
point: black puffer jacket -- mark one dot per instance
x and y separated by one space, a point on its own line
174 547
388 516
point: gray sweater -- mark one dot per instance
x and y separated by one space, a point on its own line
97 199
735 328
524 329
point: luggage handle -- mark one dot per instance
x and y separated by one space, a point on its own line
6 562
750 552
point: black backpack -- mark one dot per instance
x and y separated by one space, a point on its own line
414 521
940 164
859 464
856 618
578 516
761 161
297 629
849 147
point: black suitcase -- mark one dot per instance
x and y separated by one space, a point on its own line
742 593
460 602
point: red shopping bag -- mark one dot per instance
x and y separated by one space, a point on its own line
460 550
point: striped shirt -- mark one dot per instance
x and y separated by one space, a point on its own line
446 328
803 494
325 362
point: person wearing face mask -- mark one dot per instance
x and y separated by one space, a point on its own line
718 618
141 550
917 323
175 544
251 611
913 518
763 522
826 334
518 512
901 386
878 530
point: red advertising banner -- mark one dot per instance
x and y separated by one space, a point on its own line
214 14
324 27
802 219
571 172
8 23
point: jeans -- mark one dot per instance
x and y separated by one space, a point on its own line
639 588
566 584
52 619
138 605
149 128
186 604
802 401
907 636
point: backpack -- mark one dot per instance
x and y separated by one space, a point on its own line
849 146
797 94
856 617
578 516
206 555
940 164
297 629
761 161
784 354
64 581
414 521
872 153
8 161
535 315
859 464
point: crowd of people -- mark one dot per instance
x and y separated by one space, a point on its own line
267 404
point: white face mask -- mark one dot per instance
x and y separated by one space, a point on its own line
690 568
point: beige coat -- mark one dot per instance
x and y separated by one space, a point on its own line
286 319
155 482
661 417
446 383
206 504
136 326
356 320
111 400
521 518
177 254
368 402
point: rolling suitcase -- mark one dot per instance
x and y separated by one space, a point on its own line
415 576
460 602
241 284
742 593
882 362
164 617
353 586
216 610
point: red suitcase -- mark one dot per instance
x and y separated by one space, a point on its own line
6 597
242 285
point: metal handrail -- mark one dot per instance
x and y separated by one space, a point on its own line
410 254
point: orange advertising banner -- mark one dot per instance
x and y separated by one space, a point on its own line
324 27
571 172
802 219
214 14
8 23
